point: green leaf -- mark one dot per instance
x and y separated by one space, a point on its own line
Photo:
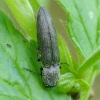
66 82
16 53
65 57
83 23
84 29
75 88
35 5
84 85
24 14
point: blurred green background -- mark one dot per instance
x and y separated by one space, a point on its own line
59 18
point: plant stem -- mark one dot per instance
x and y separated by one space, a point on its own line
88 63
85 94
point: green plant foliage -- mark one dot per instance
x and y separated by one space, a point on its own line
66 82
82 24
83 28
24 14
16 54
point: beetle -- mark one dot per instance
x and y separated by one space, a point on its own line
48 48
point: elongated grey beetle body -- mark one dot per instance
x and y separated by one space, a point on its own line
48 48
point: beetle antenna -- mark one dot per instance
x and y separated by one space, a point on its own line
31 71
65 63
